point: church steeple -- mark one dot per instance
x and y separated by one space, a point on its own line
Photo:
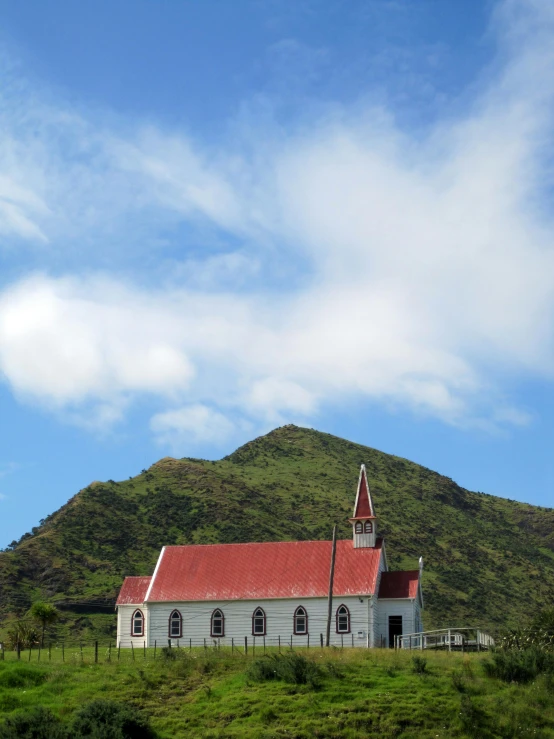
364 519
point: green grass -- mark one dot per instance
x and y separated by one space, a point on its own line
368 693
488 561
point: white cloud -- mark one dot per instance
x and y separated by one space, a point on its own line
62 342
198 423
430 265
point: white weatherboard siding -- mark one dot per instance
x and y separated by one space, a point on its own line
124 617
238 621
386 607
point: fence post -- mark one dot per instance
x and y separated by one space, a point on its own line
253 646
133 650
342 641
478 641
18 650
95 652
49 652
449 641
169 643
264 644
279 643
204 643
118 650
30 653
110 652
39 652
308 641
245 646
352 638
190 644
321 640
232 645
421 640
291 642
155 647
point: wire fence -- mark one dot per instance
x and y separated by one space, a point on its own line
128 651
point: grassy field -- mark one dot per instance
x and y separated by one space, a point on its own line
358 693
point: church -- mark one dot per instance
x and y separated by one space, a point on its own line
274 592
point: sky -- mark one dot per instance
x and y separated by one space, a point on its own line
220 217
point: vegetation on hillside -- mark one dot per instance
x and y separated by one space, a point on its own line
321 693
488 561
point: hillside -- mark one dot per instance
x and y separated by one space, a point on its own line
488 561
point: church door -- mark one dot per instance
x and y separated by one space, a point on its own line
395 629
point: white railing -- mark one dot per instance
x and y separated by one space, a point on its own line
469 638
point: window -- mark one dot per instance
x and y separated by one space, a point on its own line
300 621
368 527
343 620
358 528
258 622
137 624
175 625
218 623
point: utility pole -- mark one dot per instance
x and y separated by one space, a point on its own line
330 596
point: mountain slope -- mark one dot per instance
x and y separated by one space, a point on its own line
488 561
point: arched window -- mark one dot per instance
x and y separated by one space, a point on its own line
258 622
175 625
368 527
300 621
137 624
343 620
358 528
218 623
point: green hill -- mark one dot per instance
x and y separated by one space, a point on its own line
488 561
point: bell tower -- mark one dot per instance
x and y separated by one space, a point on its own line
364 520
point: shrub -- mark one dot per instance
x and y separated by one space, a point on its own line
38 723
24 635
109 720
519 666
21 676
290 668
419 665
472 718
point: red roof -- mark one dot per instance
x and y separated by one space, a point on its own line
401 584
133 590
290 569
363 507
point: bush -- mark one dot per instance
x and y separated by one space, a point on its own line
519 666
21 676
109 720
290 668
24 635
419 665
39 723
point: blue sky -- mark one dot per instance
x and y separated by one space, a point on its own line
219 217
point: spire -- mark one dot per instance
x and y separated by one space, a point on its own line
363 507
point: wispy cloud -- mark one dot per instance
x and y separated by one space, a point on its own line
423 267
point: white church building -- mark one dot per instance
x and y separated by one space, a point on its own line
274 592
